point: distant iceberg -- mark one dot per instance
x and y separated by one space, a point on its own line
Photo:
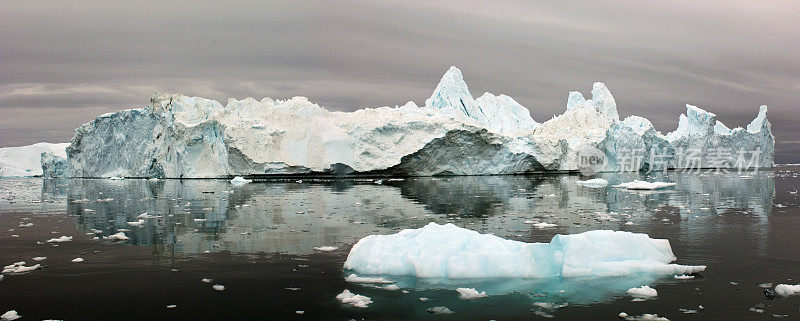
27 160
448 251
453 134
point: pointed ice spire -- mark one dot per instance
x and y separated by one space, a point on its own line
452 92
758 123
604 101
575 100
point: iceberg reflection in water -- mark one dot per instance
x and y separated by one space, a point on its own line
291 218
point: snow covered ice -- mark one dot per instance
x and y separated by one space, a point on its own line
356 300
787 289
470 294
177 136
448 251
643 292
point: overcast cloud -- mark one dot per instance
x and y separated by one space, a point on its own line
63 63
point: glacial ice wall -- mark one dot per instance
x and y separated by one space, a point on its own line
453 134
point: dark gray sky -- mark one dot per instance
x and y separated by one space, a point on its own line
64 62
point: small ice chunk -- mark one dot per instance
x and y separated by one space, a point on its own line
622 315
300 312
593 183
683 277
440 310
21 225
77 260
172 306
688 311
326 248
356 300
470 294
61 239
206 280
643 292
352 278
115 178
544 225
238 180
218 287
19 268
119 236
643 185
787 289
391 287
549 305
646 317
138 223
10 315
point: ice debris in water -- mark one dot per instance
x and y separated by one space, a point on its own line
238 180
77 260
19 268
218 287
326 248
470 294
352 278
138 223
61 239
787 289
643 185
356 300
119 236
683 277
206 280
451 251
440 310
593 183
643 292
10 315
643 317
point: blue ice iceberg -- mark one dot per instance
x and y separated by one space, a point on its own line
448 251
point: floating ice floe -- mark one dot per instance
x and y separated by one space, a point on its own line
643 317
10 315
787 289
544 225
352 278
453 252
440 310
19 268
119 236
643 292
218 287
470 294
138 223
356 300
77 260
593 183
238 180
23 225
683 277
60 239
643 185
326 248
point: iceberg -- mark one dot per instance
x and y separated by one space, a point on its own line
177 136
27 160
448 251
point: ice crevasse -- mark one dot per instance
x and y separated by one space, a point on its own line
448 251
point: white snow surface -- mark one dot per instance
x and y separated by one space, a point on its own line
453 252
452 134
787 289
26 160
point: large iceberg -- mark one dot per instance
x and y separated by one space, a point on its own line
26 160
453 134
448 251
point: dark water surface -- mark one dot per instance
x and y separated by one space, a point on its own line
257 240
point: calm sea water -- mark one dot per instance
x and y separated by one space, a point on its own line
258 241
